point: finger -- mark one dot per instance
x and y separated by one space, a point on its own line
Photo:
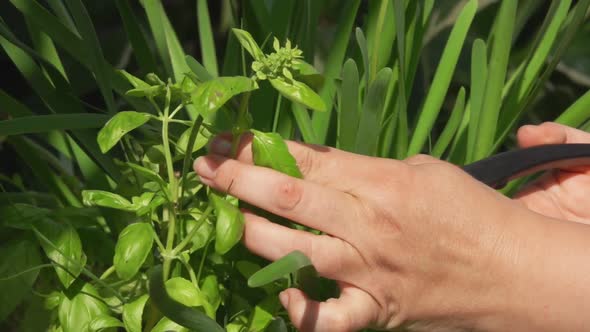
304 202
273 241
421 159
550 133
318 163
352 311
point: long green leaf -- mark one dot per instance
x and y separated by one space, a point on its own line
333 66
452 125
578 113
367 137
45 123
141 50
349 108
206 37
442 78
93 51
289 263
479 75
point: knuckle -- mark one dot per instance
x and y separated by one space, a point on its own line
288 194
420 159
340 321
306 160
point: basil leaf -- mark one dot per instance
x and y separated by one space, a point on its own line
299 93
306 73
230 224
289 263
148 174
188 317
62 244
17 256
166 325
100 323
209 96
200 141
132 313
183 291
133 80
270 150
199 240
248 43
106 199
118 126
134 245
263 313
277 325
76 314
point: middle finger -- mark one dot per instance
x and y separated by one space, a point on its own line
304 202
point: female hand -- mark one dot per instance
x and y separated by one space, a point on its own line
564 193
417 241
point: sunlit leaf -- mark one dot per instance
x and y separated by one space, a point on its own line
134 245
270 150
299 93
118 126
211 95
106 199
290 263
76 313
248 43
229 226
132 313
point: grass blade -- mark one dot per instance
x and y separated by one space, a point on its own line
321 120
367 137
348 115
479 75
577 114
45 46
206 37
12 106
304 123
442 78
141 49
93 51
452 126
45 123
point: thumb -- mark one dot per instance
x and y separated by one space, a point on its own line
352 311
550 133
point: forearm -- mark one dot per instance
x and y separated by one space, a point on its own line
551 286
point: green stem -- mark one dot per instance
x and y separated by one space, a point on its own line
107 273
241 125
173 188
275 122
191 274
202 263
194 231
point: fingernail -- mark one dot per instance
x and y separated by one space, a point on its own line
205 167
284 298
220 146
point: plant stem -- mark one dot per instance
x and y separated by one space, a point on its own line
173 188
107 273
194 231
202 263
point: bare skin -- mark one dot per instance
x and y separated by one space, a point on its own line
419 242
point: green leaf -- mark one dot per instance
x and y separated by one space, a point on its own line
206 38
277 325
211 95
137 39
452 126
17 256
348 117
200 141
183 291
442 78
210 289
299 93
577 113
118 126
148 174
306 73
100 323
229 226
44 123
492 100
367 137
106 199
22 216
62 244
479 75
188 317
248 43
270 150
263 313
75 314
132 313
134 245
289 263
199 240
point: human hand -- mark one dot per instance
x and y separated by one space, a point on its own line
562 193
416 241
